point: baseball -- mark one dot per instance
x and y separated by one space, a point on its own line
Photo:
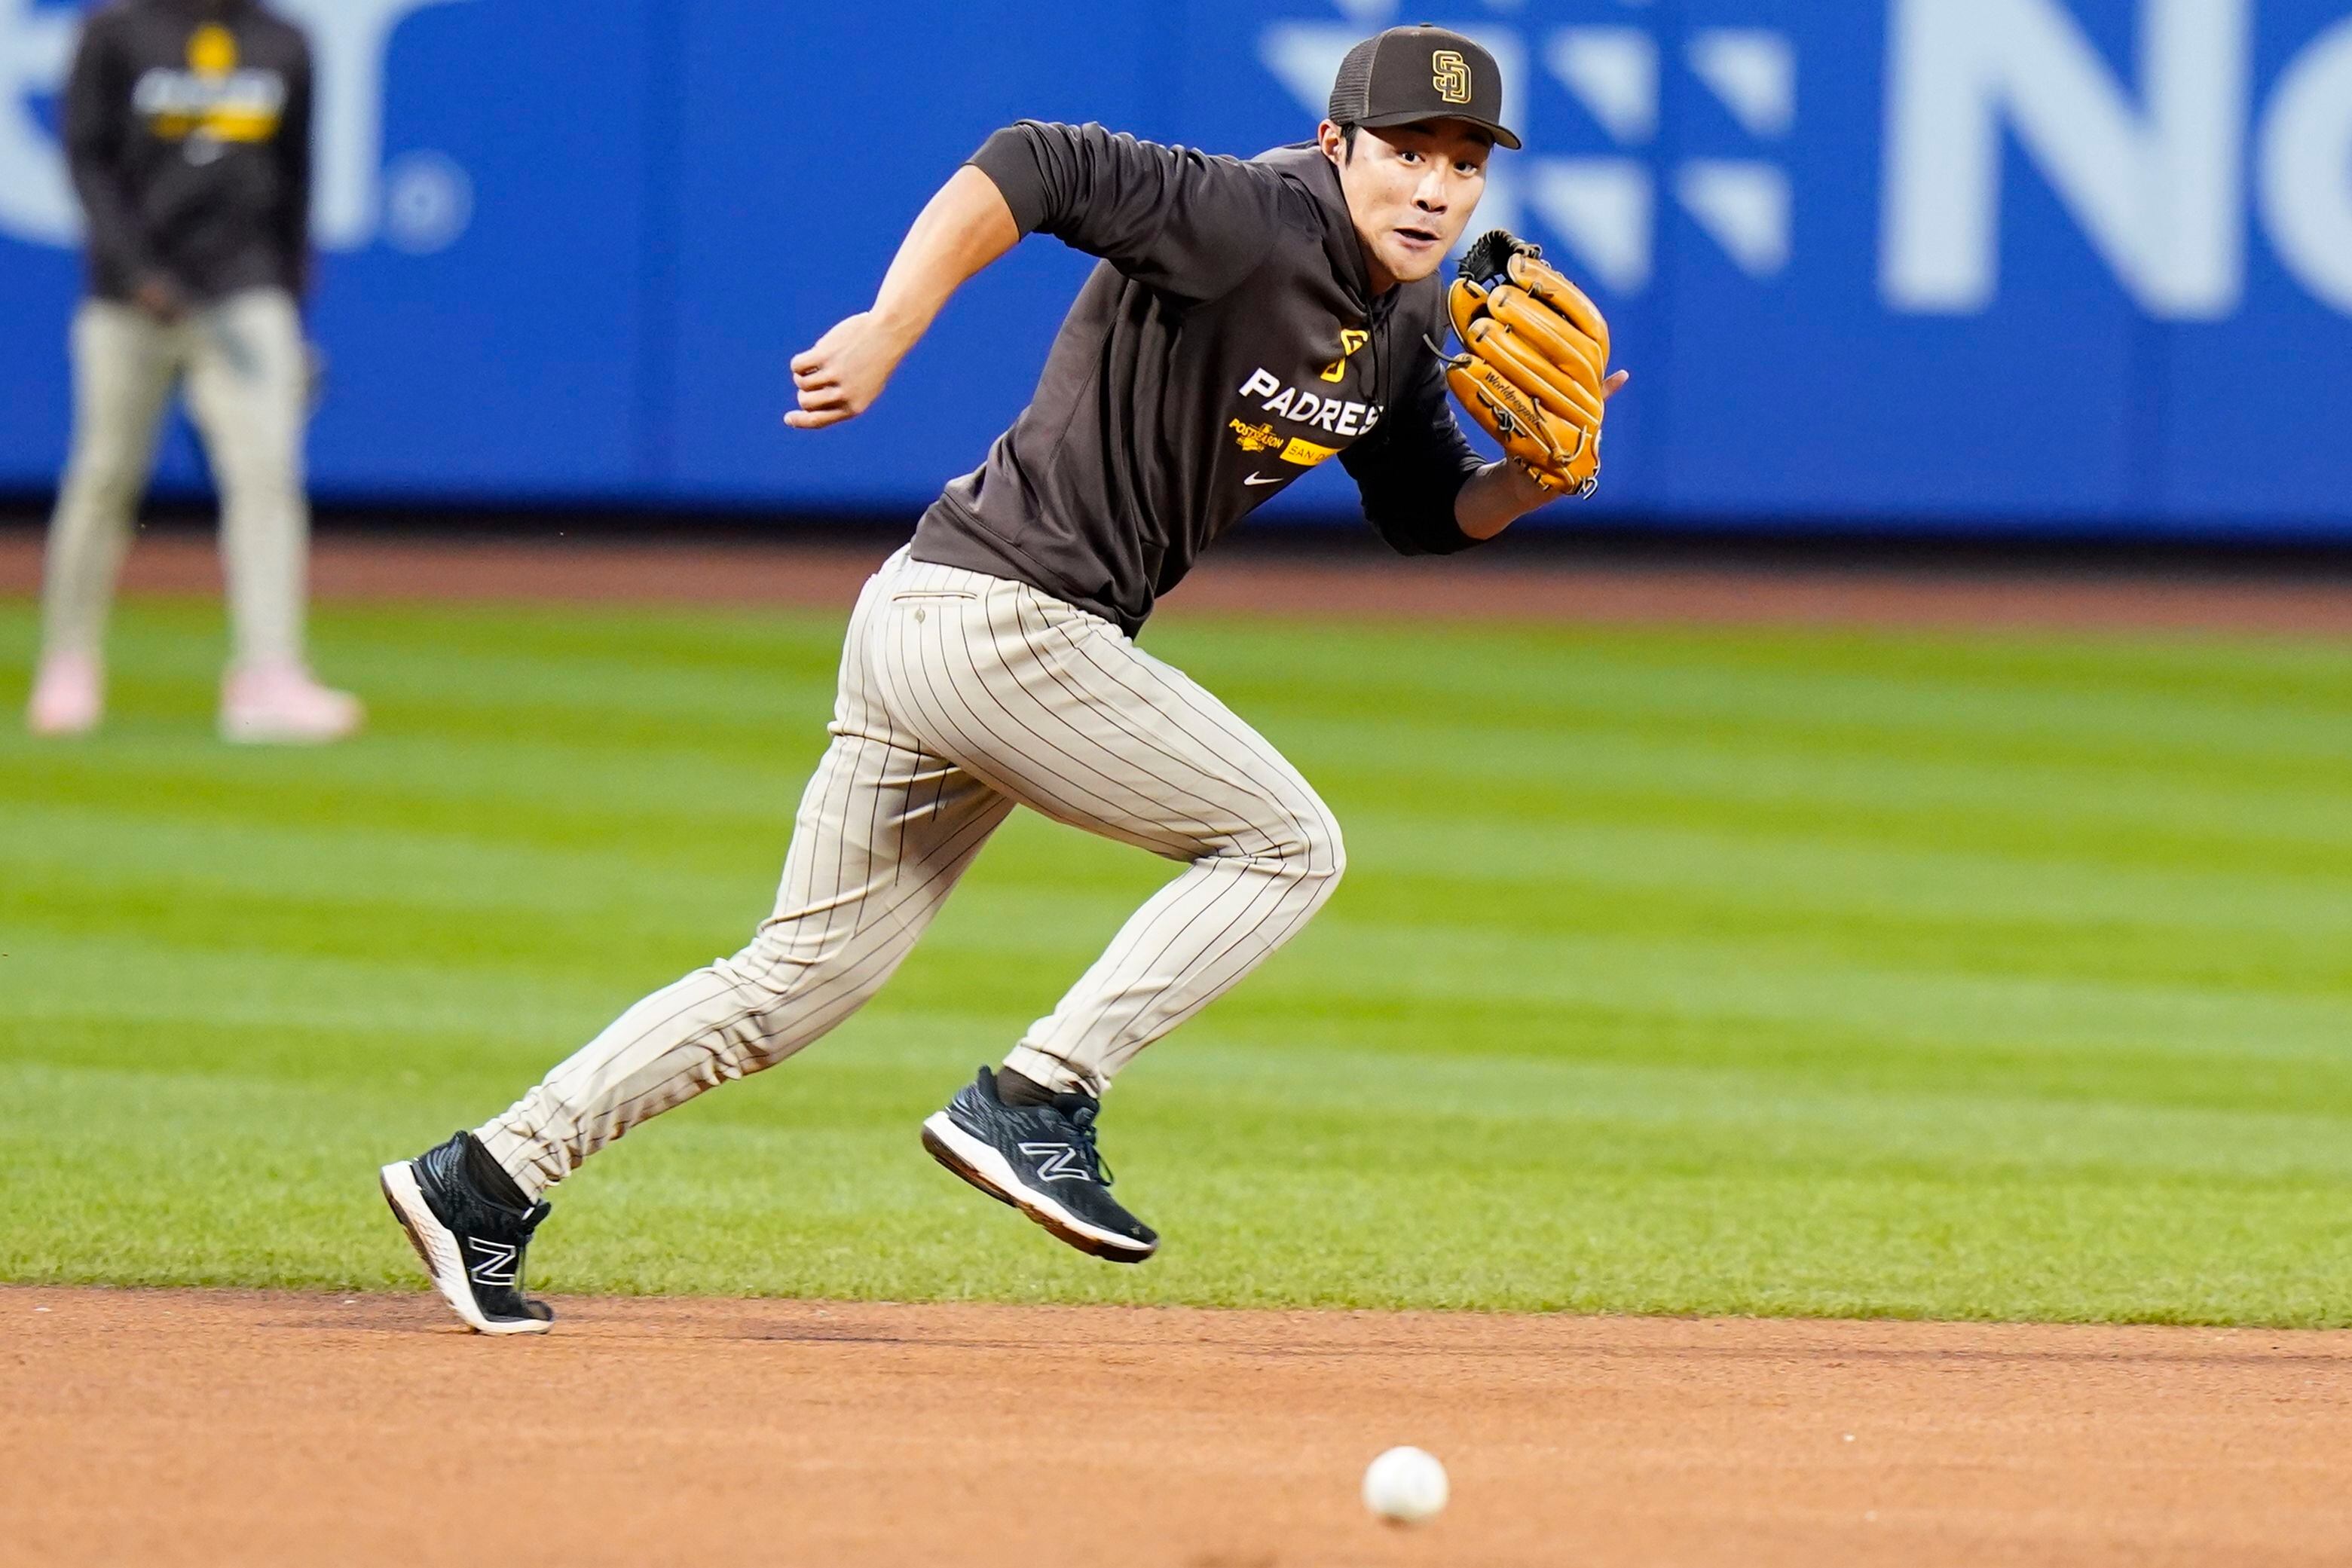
1405 1486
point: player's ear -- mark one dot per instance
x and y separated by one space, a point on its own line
1329 137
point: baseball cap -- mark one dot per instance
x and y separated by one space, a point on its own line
1409 74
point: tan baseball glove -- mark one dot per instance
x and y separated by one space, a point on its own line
1535 359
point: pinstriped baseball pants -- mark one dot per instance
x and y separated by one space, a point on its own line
962 697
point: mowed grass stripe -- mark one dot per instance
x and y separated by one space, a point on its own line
1847 697
1694 971
2122 810
1726 864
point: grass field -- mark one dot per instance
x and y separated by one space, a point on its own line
1726 971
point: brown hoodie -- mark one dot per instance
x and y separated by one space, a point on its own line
1229 341
187 127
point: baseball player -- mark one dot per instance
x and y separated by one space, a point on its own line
1249 320
187 128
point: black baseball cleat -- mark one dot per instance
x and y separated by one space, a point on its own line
1042 1160
468 1222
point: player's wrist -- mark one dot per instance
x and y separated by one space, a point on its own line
900 324
1495 497
1526 488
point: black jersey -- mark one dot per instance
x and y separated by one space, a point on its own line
187 128
1229 342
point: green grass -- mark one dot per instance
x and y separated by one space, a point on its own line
1786 972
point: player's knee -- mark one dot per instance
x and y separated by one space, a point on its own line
1334 849
104 478
1318 854
785 968
260 496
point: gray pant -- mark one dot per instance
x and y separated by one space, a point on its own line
247 375
962 697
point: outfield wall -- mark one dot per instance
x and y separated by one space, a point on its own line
2012 265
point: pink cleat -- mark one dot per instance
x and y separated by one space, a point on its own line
69 696
278 704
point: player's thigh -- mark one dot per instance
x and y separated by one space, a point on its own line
124 366
245 377
1058 709
886 822
1267 803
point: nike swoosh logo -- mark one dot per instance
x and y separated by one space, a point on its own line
1262 479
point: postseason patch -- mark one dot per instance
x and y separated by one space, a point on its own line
1260 438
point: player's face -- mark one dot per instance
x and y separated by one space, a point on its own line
1410 189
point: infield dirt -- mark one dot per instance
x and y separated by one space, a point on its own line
201 1426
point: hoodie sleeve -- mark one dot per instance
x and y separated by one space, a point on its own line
1413 464
96 103
1170 217
292 228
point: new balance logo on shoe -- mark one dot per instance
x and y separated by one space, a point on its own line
494 1261
1062 1166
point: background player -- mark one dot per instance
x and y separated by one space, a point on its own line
187 126
1249 321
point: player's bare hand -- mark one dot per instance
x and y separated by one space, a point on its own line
839 376
160 296
1608 388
